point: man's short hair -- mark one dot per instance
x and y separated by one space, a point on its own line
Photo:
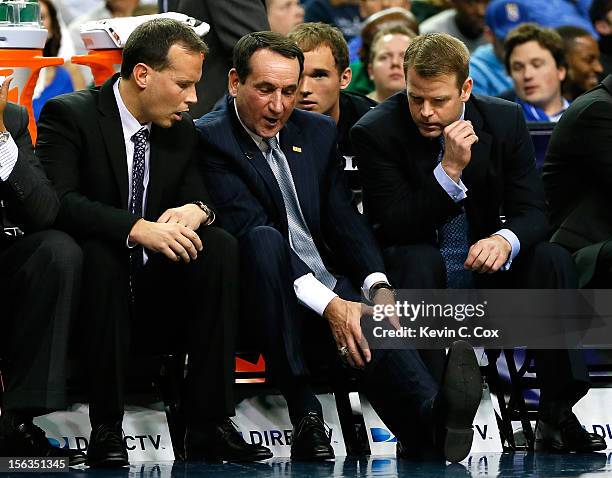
310 36
149 44
250 43
569 33
435 54
547 38
599 9
392 30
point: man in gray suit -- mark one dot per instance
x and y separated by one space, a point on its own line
229 20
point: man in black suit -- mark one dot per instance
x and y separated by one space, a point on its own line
120 158
228 20
274 173
579 159
439 165
39 278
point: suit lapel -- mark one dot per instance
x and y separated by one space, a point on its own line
476 170
112 132
252 154
157 172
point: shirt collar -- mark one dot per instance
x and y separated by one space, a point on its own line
259 141
129 124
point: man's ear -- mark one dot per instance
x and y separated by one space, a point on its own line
345 78
232 82
141 74
466 89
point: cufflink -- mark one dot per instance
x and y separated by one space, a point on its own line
297 149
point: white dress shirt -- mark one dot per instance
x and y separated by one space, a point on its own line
308 289
131 126
8 158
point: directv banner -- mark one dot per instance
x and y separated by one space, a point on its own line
500 318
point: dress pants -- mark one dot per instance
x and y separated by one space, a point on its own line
39 288
186 307
562 373
397 382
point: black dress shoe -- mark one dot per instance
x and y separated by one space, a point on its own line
22 438
457 402
221 443
106 446
310 441
567 436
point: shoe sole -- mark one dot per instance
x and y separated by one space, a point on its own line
462 392
318 457
545 446
109 463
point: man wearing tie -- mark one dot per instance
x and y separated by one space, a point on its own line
439 166
120 158
274 174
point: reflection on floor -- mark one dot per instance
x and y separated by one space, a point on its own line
508 465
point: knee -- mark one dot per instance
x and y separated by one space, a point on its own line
264 247
61 254
416 266
552 260
104 261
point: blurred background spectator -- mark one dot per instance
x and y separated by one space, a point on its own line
535 59
343 14
583 61
53 80
283 15
390 17
465 21
601 16
386 62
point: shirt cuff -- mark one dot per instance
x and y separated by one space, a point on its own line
456 191
372 279
312 293
8 158
515 244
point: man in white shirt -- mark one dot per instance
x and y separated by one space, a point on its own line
275 175
120 158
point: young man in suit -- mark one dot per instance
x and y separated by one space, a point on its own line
39 285
274 173
439 165
579 157
120 158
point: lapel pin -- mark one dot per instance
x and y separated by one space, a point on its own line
297 149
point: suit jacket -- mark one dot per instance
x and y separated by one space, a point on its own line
81 145
402 196
247 194
577 177
229 21
29 199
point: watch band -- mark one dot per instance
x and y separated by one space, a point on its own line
379 285
210 214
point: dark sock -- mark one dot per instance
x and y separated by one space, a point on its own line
301 399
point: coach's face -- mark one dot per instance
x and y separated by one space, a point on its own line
267 97
170 92
435 102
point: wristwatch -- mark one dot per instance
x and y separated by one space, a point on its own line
379 285
210 214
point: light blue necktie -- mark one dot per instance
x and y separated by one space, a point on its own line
454 245
300 238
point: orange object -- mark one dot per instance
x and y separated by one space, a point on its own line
101 62
26 58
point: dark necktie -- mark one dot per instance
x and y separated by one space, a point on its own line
300 238
139 139
454 245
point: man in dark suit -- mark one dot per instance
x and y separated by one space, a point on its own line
576 180
39 278
228 20
274 173
439 165
120 158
